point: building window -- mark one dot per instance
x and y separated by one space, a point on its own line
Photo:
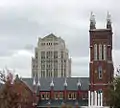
74 95
100 72
47 72
70 96
33 66
55 43
62 56
36 54
43 96
55 73
62 73
61 95
42 66
100 51
47 96
42 73
84 96
55 54
100 91
42 44
50 73
42 54
95 52
56 96
105 52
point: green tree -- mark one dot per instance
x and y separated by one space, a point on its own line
115 93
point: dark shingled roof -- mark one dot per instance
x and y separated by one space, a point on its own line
58 103
59 83
28 82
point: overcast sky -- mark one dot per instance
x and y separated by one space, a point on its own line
23 21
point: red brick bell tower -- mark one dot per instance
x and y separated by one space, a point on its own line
101 63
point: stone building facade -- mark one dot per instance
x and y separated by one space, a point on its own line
51 58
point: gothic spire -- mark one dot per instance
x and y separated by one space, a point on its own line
108 21
92 21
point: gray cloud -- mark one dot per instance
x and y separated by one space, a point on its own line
22 22
29 47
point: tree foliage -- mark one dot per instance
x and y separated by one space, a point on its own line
115 93
14 93
8 97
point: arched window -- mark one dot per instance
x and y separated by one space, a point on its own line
105 52
100 72
100 51
95 52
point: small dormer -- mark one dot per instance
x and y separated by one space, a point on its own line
79 84
38 83
65 83
52 83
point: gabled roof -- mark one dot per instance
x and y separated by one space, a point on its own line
50 37
28 82
59 83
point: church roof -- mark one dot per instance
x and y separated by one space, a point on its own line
59 83
59 103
